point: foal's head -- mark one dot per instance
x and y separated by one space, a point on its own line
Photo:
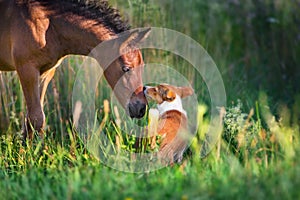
125 75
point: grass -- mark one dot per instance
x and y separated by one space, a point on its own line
253 164
257 154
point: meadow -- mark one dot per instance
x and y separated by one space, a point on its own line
255 45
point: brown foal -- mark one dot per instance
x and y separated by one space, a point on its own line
36 34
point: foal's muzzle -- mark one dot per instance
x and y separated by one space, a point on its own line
137 105
137 109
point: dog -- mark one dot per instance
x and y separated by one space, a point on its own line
172 124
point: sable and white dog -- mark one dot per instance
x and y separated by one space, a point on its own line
172 122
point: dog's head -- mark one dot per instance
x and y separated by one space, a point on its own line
166 93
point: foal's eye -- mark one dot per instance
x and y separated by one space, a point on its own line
126 69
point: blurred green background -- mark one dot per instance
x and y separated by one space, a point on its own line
256 46
255 43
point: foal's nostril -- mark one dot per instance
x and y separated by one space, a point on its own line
142 110
137 110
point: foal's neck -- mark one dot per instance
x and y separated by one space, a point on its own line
80 36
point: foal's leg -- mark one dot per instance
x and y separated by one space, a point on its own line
45 79
29 78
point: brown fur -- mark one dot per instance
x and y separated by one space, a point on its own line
36 34
172 124
172 127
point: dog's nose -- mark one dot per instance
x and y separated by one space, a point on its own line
144 88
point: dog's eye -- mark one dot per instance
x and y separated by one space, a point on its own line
125 68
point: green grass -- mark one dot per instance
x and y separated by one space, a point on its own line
255 45
255 164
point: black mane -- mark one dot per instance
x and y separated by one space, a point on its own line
98 10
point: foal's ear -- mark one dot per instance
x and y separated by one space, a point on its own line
185 91
134 38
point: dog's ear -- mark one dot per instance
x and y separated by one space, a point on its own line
171 95
166 93
185 91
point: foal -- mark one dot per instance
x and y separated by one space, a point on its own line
36 34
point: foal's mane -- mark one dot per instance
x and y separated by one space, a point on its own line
98 10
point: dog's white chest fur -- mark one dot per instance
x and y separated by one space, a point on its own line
173 105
